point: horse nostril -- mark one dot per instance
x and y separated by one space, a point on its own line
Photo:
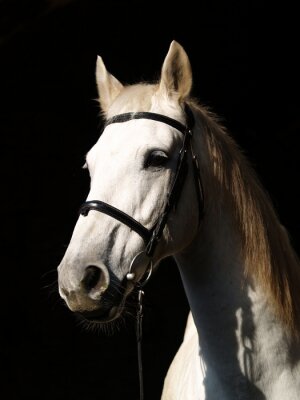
91 278
64 293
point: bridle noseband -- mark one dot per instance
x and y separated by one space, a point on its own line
152 236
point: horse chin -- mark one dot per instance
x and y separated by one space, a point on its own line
115 303
105 315
102 316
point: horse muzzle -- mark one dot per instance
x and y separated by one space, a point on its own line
97 294
84 290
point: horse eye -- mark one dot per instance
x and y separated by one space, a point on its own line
157 158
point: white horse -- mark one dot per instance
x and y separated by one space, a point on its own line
240 273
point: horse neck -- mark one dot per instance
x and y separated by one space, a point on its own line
243 344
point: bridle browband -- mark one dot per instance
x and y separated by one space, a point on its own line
151 236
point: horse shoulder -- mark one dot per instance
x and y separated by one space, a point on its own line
184 379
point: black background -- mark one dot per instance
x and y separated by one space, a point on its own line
244 60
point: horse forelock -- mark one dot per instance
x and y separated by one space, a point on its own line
133 98
143 97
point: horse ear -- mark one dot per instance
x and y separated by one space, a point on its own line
108 86
176 74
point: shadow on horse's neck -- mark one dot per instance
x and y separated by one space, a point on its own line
245 342
215 285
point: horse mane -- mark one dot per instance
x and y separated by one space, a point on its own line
265 246
266 249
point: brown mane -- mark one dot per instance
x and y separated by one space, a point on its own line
266 249
268 254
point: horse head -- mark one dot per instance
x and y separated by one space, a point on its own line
135 168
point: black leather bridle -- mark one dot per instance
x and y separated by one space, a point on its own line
151 236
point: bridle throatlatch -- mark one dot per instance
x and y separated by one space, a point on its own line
152 236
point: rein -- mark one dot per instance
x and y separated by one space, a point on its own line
152 236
